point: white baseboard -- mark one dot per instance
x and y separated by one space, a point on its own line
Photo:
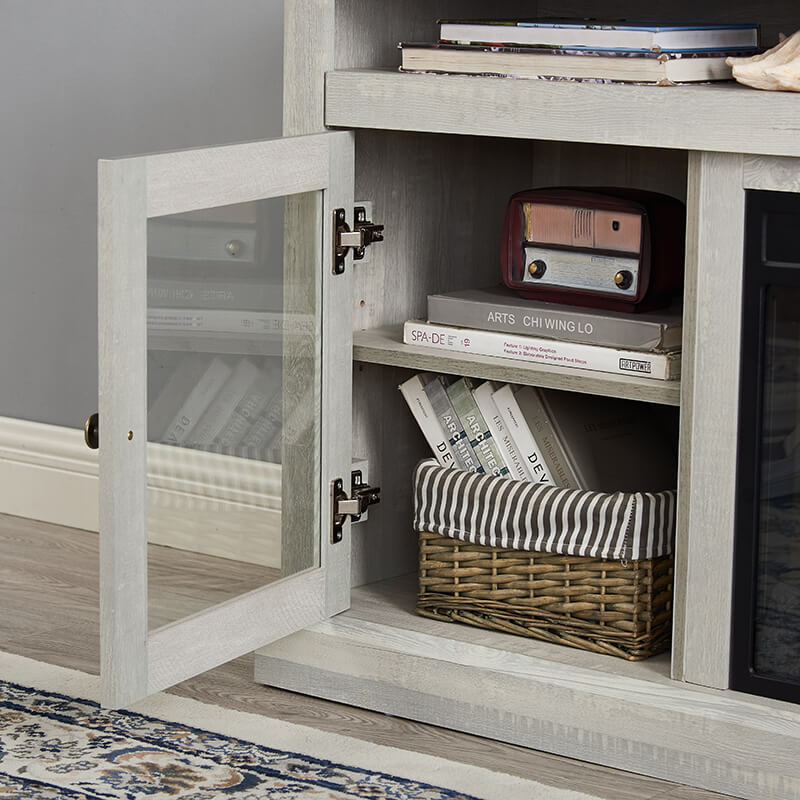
47 473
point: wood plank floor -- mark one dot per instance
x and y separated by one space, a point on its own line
48 611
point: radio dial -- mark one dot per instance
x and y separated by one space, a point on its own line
623 279
537 268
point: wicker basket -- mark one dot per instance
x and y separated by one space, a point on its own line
621 609
620 606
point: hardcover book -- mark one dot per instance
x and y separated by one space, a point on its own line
196 402
609 444
594 33
662 68
413 391
222 408
505 397
500 309
465 456
508 449
478 432
576 355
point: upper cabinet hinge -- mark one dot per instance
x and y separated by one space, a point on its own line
364 233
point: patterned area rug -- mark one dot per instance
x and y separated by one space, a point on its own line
54 746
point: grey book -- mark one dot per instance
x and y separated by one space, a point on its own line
599 443
551 446
198 293
478 432
500 309
465 456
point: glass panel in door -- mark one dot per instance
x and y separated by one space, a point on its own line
222 323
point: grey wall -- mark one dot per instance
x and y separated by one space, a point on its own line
85 79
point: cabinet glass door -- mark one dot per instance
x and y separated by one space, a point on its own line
224 403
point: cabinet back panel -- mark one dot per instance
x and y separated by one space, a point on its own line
442 200
367 39
568 164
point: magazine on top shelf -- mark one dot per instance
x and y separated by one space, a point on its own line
599 34
573 64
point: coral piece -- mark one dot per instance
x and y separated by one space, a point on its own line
776 69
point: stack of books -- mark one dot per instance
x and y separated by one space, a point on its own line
565 439
497 322
583 50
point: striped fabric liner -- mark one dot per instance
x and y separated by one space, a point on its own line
500 512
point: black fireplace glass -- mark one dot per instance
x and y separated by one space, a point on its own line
765 653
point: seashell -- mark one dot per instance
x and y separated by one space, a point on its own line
776 69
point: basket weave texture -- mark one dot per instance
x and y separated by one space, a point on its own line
606 606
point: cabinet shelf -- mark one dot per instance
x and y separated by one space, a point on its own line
724 117
385 346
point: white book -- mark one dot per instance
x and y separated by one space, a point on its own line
413 390
513 419
259 397
660 366
177 386
215 320
199 399
216 416
508 449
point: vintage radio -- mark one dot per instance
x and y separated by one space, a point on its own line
620 249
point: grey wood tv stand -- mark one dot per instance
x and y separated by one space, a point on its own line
438 157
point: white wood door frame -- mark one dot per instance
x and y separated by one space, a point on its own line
135 662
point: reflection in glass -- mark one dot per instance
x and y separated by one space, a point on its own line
777 612
224 319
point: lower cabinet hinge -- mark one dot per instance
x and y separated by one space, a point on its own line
361 496
364 233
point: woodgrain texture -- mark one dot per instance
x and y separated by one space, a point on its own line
221 176
233 628
709 419
772 174
48 594
385 346
631 717
122 301
708 117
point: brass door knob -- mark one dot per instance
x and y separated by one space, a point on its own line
91 432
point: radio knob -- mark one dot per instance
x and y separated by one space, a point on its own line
537 268
623 279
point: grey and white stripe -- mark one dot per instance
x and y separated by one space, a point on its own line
501 512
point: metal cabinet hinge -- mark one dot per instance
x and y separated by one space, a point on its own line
364 233
361 496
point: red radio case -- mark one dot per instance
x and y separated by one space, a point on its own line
612 248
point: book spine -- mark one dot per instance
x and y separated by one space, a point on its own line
628 333
465 456
488 407
235 295
523 438
199 399
552 449
480 436
224 404
659 366
214 320
413 391
267 425
266 388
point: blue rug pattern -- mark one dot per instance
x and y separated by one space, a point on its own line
53 746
